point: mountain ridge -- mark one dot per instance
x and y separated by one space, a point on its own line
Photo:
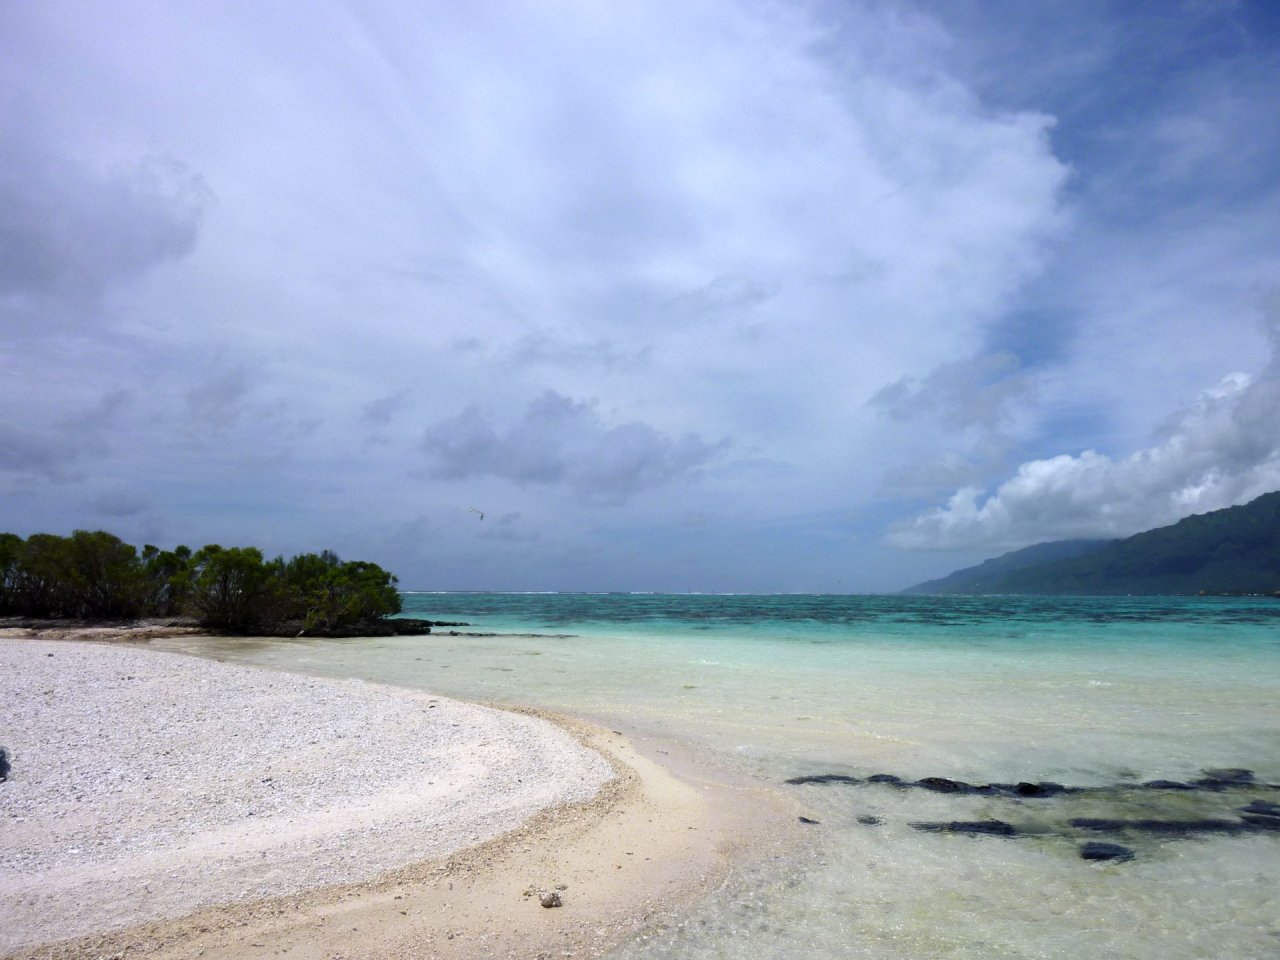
1235 550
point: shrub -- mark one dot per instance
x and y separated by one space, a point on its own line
167 576
41 589
234 589
325 593
96 574
10 568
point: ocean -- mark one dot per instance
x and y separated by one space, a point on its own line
1151 725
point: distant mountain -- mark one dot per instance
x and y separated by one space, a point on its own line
980 579
1236 550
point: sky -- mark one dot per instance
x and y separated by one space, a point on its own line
709 295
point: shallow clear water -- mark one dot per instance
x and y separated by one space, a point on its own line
1096 693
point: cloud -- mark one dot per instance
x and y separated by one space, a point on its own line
962 415
69 232
381 411
562 441
541 348
1221 451
54 453
723 218
27 452
119 503
507 528
219 401
975 391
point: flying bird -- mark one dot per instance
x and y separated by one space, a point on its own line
479 513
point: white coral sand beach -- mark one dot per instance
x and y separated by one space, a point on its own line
149 787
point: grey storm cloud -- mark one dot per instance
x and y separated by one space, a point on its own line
69 232
974 391
1222 450
973 400
55 453
119 503
382 411
560 440
220 400
25 451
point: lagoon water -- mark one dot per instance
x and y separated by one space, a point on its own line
1091 693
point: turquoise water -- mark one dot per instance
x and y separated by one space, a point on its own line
1097 694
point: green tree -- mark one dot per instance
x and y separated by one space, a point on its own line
234 588
326 594
40 587
10 568
96 574
167 575
101 576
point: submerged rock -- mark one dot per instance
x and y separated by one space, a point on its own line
984 828
1166 785
824 778
1263 807
1171 828
943 785
1225 777
1260 821
1098 850
869 821
1041 789
884 778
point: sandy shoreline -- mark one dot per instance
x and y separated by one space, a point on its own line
327 818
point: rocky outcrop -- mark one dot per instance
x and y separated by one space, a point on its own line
389 627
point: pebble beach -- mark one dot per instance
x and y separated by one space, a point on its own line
147 785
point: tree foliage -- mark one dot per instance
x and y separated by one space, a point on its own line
323 592
96 575
234 588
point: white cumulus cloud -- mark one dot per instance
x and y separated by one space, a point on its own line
1221 451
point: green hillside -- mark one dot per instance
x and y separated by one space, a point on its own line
1236 550
980 579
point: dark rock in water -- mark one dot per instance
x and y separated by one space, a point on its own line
809 820
1166 785
1226 777
1265 807
1261 821
983 828
378 627
1168 828
868 821
4 764
1097 850
884 778
943 785
1099 824
824 778
1042 789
